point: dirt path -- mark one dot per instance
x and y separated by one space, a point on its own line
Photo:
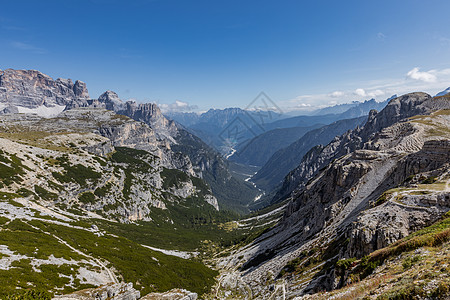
111 274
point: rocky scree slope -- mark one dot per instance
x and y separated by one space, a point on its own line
337 209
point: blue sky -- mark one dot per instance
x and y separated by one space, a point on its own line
211 53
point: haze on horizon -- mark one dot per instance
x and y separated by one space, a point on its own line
202 54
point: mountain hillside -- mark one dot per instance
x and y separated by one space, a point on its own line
90 197
67 181
286 159
365 191
33 92
258 150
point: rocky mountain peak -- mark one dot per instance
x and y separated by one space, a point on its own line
111 101
148 113
397 109
31 89
80 89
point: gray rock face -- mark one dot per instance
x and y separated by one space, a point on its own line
31 89
175 294
150 114
383 225
117 291
111 101
10 110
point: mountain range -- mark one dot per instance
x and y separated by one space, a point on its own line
106 199
231 129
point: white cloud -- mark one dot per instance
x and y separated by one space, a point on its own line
336 94
381 36
27 47
380 89
360 92
374 93
303 105
422 76
177 106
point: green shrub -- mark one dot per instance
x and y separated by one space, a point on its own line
77 173
87 198
410 261
44 194
345 264
24 192
30 295
430 180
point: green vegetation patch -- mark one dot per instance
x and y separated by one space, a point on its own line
45 194
10 169
148 270
21 281
135 161
182 226
103 190
25 240
173 178
30 294
87 198
77 173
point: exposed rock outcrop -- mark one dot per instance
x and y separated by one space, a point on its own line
31 89
175 294
118 291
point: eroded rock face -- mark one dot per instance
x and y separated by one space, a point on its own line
111 101
31 89
383 225
150 113
404 212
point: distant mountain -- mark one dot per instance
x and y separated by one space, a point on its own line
361 109
443 93
184 118
258 150
286 159
225 128
335 109
229 129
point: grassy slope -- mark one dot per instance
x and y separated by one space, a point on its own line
148 270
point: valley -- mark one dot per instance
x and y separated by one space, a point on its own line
106 197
